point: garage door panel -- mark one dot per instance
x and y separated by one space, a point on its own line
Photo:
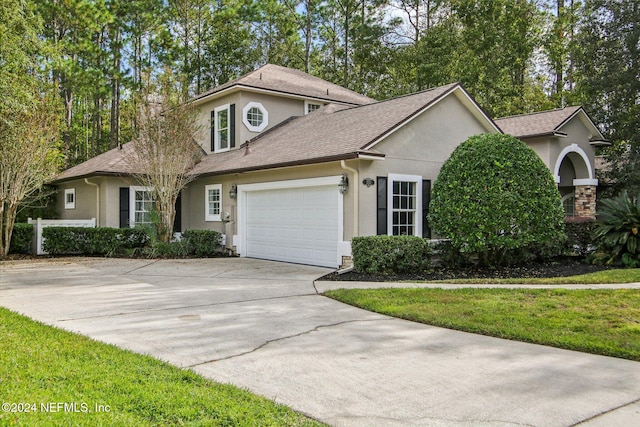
296 225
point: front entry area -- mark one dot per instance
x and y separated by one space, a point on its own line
296 221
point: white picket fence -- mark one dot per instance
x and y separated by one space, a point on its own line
39 224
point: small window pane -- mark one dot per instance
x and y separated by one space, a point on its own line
254 116
223 119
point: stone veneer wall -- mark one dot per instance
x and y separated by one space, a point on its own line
585 197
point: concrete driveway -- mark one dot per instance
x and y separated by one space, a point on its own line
261 325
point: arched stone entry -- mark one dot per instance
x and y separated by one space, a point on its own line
576 181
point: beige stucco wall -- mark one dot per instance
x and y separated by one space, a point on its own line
542 147
418 148
86 205
85 201
278 108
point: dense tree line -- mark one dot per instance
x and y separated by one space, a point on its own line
513 56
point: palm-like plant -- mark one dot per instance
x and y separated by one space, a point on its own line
618 230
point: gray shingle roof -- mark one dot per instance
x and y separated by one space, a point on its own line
293 82
333 132
536 124
112 162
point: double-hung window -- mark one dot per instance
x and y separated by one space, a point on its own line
213 202
222 128
142 203
404 208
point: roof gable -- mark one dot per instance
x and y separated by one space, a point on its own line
546 123
288 82
112 162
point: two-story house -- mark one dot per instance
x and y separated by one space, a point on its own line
295 166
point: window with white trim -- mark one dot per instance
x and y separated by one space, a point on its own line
405 205
255 117
141 202
70 198
222 128
310 107
213 202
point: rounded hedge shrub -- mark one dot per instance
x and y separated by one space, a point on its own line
494 198
390 254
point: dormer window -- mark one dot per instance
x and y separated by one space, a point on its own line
310 107
255 117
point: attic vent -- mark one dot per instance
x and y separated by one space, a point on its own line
327 91
260 76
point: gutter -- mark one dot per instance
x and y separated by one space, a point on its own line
97 200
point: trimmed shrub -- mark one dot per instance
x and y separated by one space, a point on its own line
390 254
580 241
618 231
92 241
203 243
21 238
497 200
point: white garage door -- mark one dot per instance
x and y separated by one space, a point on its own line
299 225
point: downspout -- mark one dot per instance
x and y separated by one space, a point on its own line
97 200
356 200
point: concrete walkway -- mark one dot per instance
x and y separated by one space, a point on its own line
262 325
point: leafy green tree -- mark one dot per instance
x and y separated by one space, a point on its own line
494 196
228 51
165 148
618 230
28 115
498 40
276 35
608 84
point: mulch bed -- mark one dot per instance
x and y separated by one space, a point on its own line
561 267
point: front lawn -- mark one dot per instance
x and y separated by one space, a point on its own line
595 321
53 377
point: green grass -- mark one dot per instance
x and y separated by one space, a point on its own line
595 321
41 365
627 275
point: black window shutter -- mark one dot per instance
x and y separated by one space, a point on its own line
213 131
426 198
382 205
177 221
124 207
232 125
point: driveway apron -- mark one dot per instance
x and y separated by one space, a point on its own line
261 325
